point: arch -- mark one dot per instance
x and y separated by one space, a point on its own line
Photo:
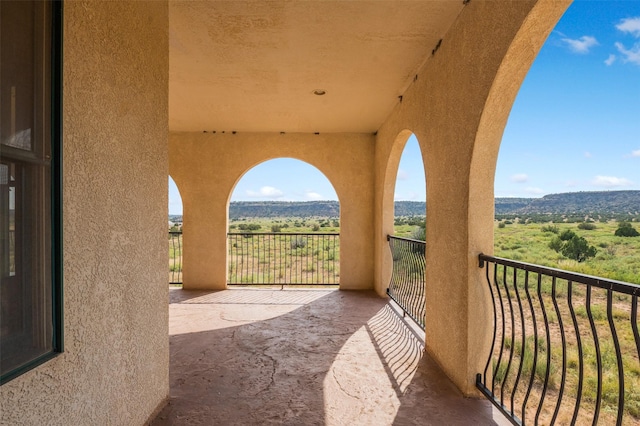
269 270
517 61
174 191
458 113
211 165
385 264
511 71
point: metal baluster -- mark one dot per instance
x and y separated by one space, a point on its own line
564 350
580 353
535 344
616 344
594 333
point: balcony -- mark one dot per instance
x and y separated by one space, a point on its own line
565 346
260 356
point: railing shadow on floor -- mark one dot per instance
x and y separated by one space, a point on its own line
340 358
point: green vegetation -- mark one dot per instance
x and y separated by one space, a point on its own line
626 230
175 257
249 226
284 259
572 246
615 257
587 226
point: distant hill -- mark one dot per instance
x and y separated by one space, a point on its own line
603 202
511 205
269 209
611 202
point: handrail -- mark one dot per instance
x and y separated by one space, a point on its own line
562 345
619 286
407 284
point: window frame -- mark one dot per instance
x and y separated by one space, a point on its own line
55 213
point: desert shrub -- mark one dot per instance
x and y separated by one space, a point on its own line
556 244
567 235
298 242
551 228
625 229
249 227
501 225
276 228
587 226
315 227
419 233
578 249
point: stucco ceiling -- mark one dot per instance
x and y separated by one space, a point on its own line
253 65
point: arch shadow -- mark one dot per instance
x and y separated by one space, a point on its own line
303 357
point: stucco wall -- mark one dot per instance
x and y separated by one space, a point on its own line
206 168
457 107
115 366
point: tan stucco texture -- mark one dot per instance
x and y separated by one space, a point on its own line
457 107
114 370
206 167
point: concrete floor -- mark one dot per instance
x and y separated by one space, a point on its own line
304 357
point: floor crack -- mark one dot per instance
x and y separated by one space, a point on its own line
333 372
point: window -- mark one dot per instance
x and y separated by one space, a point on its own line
30 250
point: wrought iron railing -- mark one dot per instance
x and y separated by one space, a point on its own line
565 346
407 285
284 259
175 257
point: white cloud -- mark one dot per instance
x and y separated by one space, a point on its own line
635 153
630 55
581 45
402 175
313 195
630 25
610 60
409 196
534 191
587 154
266 192
520 178
611 181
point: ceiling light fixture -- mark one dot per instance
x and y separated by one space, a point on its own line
319 92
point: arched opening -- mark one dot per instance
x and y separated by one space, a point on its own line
571 143
410 193
284 226
565 177
406 244
175 233
174 202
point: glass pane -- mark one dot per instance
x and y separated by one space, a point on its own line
26 322
17 77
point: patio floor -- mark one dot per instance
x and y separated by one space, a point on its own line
304 357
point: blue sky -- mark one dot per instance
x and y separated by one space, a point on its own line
575 124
